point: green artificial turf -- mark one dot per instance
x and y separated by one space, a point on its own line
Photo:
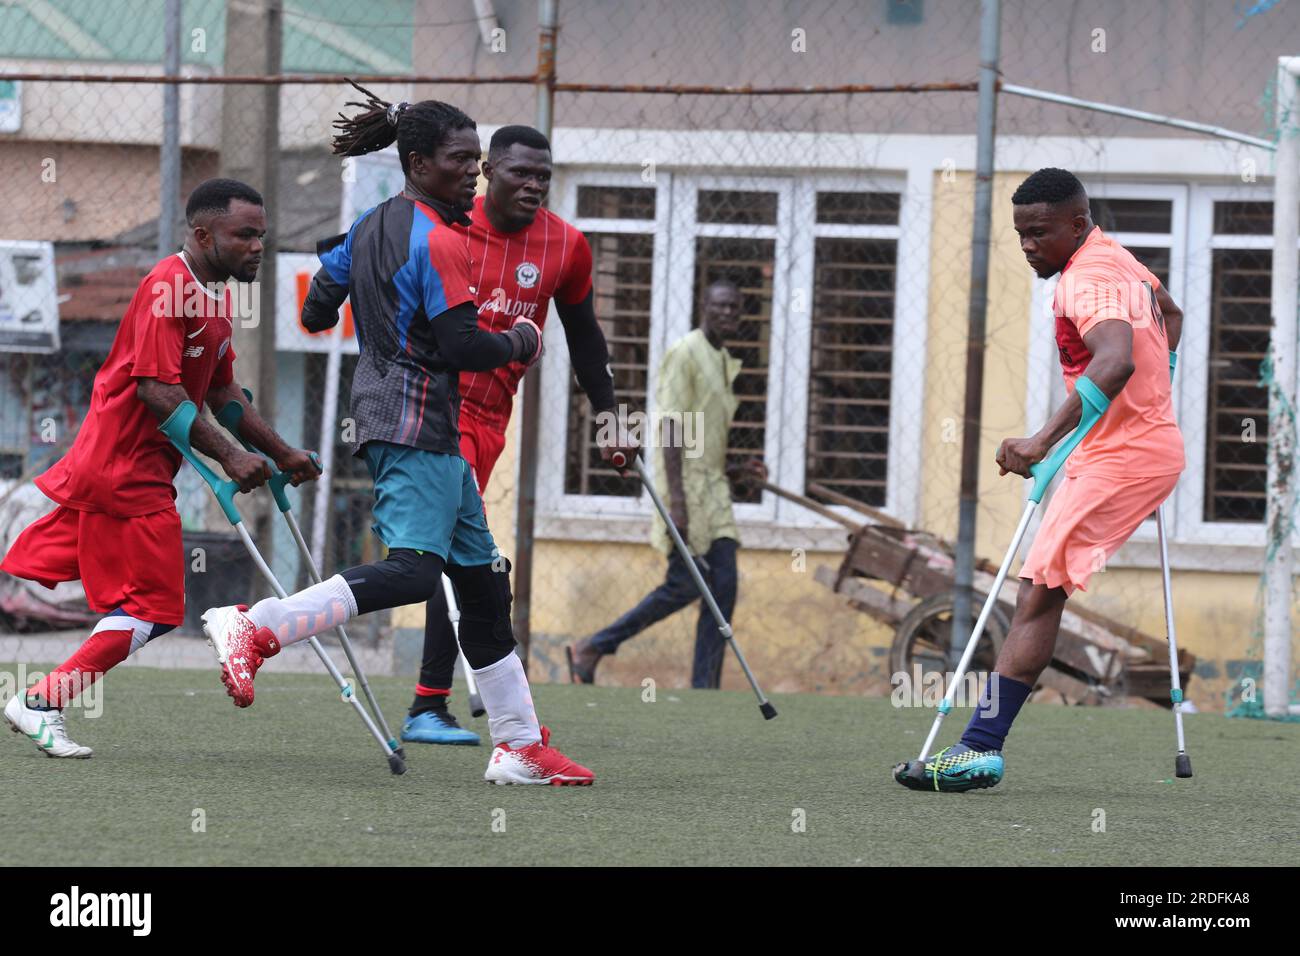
693 778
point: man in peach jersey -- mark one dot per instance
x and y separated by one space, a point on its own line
1114 320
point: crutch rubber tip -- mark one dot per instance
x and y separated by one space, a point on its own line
1182 766
476 708
397 765
768 710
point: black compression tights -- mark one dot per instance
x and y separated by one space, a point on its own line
408 576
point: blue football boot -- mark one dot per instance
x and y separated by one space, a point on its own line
437 727
952 770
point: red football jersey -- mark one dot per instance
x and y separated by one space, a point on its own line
516 274
174 330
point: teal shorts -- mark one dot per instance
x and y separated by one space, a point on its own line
428 501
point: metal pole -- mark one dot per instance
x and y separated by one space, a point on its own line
1158 118
530 422
1279 559
329 413
267 277
169 158
990 24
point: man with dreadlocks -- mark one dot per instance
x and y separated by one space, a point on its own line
1118 326
524 257
409 277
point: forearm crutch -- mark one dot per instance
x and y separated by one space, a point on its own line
476 708
1182 762
177 429
229 416
1095 403
619 460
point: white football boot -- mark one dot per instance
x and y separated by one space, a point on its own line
47 728
538 763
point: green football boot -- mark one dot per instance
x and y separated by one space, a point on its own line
954 769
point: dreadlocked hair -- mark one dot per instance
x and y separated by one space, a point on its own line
417 127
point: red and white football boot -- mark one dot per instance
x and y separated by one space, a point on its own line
241 647
536 763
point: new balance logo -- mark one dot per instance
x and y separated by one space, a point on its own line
193 351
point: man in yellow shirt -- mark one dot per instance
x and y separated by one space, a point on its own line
696 405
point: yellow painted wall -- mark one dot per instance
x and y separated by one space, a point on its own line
797 634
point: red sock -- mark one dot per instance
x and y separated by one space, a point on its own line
102 651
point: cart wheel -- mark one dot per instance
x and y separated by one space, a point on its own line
922 638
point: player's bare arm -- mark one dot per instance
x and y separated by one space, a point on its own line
246 470
255 430
1111 345
1173 317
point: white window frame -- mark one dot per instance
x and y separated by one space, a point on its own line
686 229
1194 375
557 371
910 329
569 516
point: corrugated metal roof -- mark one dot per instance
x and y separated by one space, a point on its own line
325 36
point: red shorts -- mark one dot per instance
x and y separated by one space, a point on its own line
481 445
136 564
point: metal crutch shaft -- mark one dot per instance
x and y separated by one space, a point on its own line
177 429
339 679
1182 762
1093 404
764 705
229 416
344 640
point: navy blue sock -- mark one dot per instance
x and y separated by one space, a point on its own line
989 727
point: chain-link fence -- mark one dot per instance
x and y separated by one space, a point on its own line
820 156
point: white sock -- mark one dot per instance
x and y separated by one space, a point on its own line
310 611
504 689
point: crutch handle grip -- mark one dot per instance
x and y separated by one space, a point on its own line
1095 404
177 429
230 416
1173 362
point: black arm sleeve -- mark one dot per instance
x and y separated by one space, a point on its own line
464 345
320 310
588 352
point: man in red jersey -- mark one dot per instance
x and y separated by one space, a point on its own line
523 257
116 527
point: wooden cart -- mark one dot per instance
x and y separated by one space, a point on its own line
903 577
